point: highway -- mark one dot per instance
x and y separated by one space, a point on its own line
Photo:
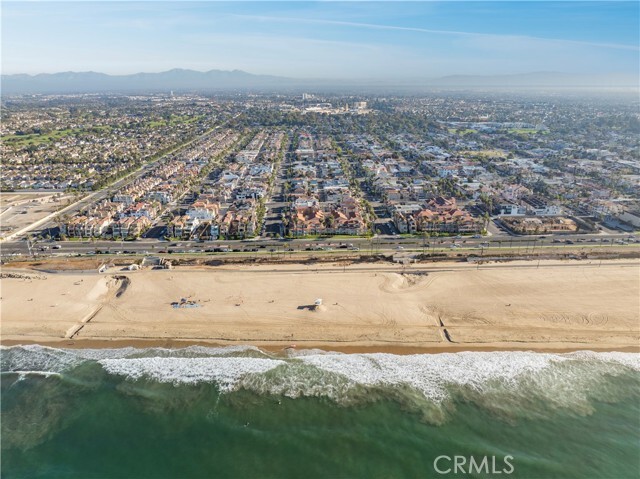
377 244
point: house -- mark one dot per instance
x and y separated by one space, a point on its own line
440 204
177 226
95 227
127 199
433 218
141 208
238 223
512 209
306 220
203 210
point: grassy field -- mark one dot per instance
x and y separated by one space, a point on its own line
37 139
462 131
40 138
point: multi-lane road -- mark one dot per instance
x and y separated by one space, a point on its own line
376 244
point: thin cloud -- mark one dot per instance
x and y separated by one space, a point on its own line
374 26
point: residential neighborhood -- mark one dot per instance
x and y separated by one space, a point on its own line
299 166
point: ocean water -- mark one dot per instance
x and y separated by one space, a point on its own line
240 412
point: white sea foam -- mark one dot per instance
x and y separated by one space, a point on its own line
37 358
225 372
43 358
295 353
631 360
562 379
23 374
431 373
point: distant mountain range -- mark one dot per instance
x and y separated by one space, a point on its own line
176 79
180 80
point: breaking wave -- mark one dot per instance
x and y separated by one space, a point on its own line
499 381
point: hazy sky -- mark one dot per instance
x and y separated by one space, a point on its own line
383 40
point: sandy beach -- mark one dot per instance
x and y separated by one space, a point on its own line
561 305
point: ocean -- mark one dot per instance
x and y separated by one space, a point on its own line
240 412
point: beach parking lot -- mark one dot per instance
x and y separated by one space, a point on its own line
19 210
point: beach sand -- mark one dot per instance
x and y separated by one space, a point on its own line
560 305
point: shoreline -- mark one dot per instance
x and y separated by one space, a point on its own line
272 347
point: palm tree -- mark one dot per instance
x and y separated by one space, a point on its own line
329 222
425 235
436 224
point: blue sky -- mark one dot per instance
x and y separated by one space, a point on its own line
383 40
